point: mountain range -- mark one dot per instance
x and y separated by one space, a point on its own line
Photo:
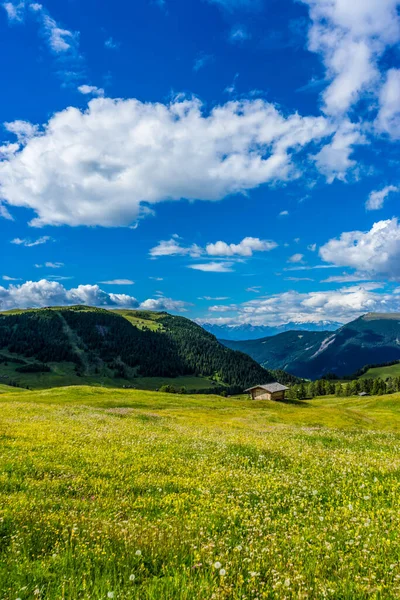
255 332
371 339
81 344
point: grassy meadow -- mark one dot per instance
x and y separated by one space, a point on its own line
129 494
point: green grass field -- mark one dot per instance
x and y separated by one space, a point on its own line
382 372
126 494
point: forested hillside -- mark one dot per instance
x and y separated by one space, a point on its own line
123 345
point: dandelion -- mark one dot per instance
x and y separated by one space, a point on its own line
287 582
131 577
217 565
36 592
138 553
222 572
110 594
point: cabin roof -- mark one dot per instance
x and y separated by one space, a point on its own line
270 387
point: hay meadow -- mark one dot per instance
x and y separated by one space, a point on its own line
140 495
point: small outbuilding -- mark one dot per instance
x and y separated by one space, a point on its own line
269 391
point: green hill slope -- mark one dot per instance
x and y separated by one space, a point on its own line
371 339
66 346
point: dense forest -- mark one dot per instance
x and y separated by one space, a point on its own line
98 341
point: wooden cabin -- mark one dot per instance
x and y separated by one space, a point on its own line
269 391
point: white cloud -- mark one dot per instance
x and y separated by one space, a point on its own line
246 247
91 90
59 40
118 282
173 248
214 298
388 120
164 304
351 37
52 293
23 130
54 265
377 198
99 166
256 289
342 305
7 278
15 11
334 159
30 243
346 278
312 247
296 258
213 267
376 251
284 213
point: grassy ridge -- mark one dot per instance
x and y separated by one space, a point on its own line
143 495
382 372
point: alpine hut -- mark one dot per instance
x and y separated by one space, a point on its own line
269 391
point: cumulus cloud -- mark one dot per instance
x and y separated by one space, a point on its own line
213 267
246 247
376 251
342 305
36 294
351 37
139 154
90 90
173 247
164 304
377 198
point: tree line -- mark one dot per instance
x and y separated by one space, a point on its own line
324 387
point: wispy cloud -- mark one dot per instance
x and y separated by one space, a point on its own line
202 60
239 33
111 44
28 243
213 267
377 198
118 282
7 278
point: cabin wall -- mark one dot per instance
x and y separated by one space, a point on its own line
260 394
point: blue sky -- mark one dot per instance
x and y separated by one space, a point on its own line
235 161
